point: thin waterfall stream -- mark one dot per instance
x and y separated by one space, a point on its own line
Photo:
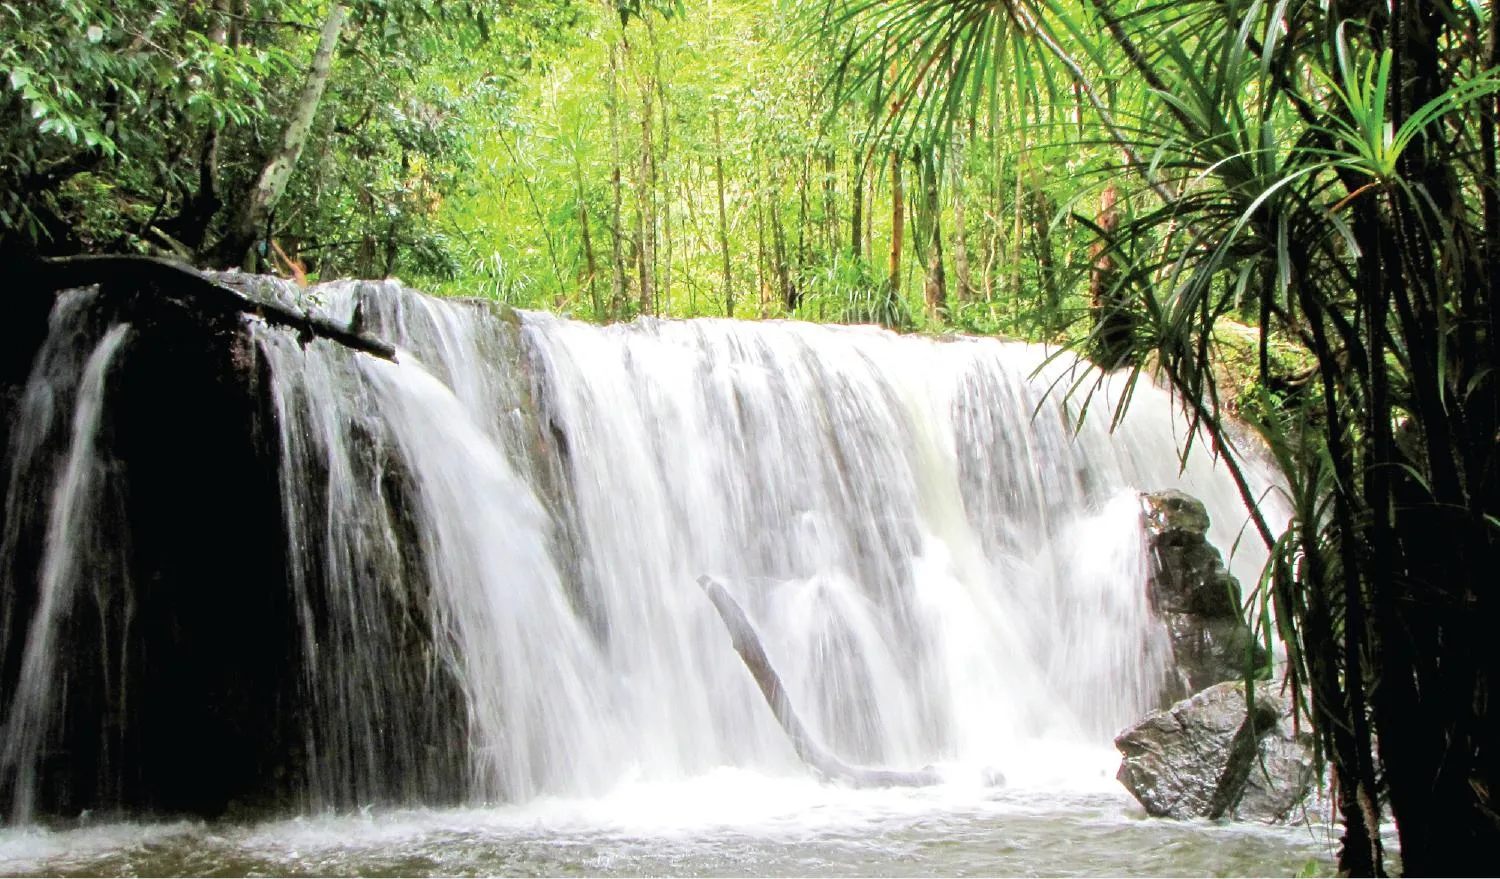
491 652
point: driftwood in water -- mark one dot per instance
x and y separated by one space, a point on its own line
137 271
747 645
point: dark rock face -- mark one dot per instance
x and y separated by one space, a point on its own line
180 666
185 682
1196 597
1204 758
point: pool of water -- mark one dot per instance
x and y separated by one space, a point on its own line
726 823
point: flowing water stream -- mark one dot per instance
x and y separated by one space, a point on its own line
945 568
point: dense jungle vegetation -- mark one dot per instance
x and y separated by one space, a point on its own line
1307 188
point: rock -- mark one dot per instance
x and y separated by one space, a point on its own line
1176 516
1202 758
1190 576
1197 598
187 682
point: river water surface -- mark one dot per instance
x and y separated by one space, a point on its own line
728 822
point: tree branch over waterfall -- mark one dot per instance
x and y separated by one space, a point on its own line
175 279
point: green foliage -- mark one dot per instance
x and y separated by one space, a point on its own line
846 291
141 124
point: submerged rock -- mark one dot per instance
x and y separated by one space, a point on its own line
1204 758
1196 597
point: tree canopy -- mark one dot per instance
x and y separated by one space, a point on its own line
144 124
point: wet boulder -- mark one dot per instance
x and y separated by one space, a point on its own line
1207 757
1196 598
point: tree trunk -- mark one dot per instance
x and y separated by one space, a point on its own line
778 244
645 209
872 194
723 216
898 224
1046 261
617 214
393 230
965 289
1114 325
272 181
936 287
831 202
761 283
857 207
664 288
935 281
994 243
191 225
590 267
1017 231
804 216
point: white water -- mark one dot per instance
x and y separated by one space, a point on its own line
65 395
496 543
727 822
945 569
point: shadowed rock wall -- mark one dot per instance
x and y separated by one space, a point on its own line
182 678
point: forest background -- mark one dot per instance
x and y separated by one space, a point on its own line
601 160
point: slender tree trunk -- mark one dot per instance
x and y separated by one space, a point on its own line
272 181
693 242
871 185
590 267
761 284
856 207
658 162
935 281
1113 323
936 287
830 202
992 255
191 225
392 236
778 242
723 216
617 185
804 213
364 258
961 275
1017 239
645 208
994 244
898 223
1046 259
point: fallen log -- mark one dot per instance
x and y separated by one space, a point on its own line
63 273
747 645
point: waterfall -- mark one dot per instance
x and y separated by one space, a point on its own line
493 545
941 567
64 397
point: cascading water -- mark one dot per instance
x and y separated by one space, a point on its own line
493 546
939 574
64 398
943 569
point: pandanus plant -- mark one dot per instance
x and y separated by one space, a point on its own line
1326 171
